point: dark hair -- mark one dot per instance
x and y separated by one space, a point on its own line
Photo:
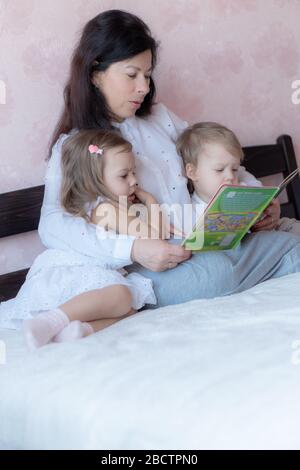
112 36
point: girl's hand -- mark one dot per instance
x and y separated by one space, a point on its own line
271 216
144 197
133 199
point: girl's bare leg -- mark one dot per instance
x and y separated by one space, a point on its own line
98 325
109 303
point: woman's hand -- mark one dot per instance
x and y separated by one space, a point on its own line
158 255
271 216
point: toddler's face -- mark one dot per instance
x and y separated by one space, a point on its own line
215 166
119 172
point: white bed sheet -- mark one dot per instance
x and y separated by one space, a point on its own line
209 374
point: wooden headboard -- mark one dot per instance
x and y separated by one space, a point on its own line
20 210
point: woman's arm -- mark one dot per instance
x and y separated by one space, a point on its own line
155 255
58 229
248 179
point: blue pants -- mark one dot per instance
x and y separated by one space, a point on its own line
260 256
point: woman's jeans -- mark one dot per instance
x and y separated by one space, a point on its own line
260 256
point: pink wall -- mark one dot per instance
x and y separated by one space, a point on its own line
233 61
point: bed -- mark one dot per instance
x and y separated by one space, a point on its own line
222 373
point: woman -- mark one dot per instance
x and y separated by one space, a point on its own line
111 86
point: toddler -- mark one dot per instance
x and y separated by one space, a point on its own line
212 156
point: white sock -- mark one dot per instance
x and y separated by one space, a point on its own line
41 329
74 330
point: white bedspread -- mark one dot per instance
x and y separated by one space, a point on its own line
208 374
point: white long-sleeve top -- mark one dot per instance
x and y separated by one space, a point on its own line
159 171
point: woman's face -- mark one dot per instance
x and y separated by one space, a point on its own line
125 84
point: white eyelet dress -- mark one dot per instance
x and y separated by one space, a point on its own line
57 276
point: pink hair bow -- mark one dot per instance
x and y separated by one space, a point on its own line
95 149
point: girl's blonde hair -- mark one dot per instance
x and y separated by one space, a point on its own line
193 139
82 172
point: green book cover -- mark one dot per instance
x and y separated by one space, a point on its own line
228 217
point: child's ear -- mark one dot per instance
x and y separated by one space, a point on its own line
190 171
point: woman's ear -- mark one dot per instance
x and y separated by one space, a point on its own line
190 171
95 79
95 74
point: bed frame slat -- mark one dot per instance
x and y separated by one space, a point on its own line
10 284
20 210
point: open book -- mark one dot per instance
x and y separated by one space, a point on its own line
230 214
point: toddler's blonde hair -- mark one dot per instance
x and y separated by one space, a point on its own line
193 139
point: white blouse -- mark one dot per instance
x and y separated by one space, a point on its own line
159 171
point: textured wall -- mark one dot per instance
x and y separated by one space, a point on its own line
233 61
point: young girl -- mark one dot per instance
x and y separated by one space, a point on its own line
68 295
212 156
